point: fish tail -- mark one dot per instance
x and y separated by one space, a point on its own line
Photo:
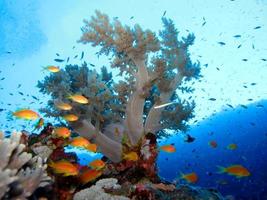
221 169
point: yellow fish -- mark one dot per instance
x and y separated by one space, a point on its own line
132 156
232 146
235 170
71 117
63 106
64 167
26 114
168 148
62 132
190 178
52 68
90 175
79 98
97 164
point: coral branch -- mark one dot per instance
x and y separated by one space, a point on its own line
109 147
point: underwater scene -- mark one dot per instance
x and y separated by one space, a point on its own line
133 100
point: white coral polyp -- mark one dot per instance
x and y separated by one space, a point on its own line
13 158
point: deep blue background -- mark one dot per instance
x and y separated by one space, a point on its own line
245 127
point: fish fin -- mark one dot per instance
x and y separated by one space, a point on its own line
220 169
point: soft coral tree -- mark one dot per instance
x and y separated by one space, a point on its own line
153 67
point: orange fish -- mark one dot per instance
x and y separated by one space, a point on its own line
63 106
232 146
79 98
79 142
132 156
64 167
26 114
213 144
97 164
90 175
52 68
71 117
235 170
62 132
168 148
190 178
92 147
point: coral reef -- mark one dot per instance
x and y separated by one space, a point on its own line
97 191
153 70
20 173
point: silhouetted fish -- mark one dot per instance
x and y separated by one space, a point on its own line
212 99
221 43
257 27
82 55
237 36
239 46
58 60
164 13
229 105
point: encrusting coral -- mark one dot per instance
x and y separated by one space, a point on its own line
20 173
153 69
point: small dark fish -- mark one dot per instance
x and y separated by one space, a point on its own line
73 47
75 56
92 64
9 52
253 83
245 86
257 27
244 59
243 106
253 47
1 109
189 139
82 55
250 99
2 78
263 59
203 24
19 85
21 93
68 59
212 99
35 97
239 46
229 105
221 43
11 94
131 17
252 124
237 36
218 68
259 106
58 60
206 65
164 13
57 54
209 173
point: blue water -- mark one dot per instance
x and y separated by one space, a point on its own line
245 127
